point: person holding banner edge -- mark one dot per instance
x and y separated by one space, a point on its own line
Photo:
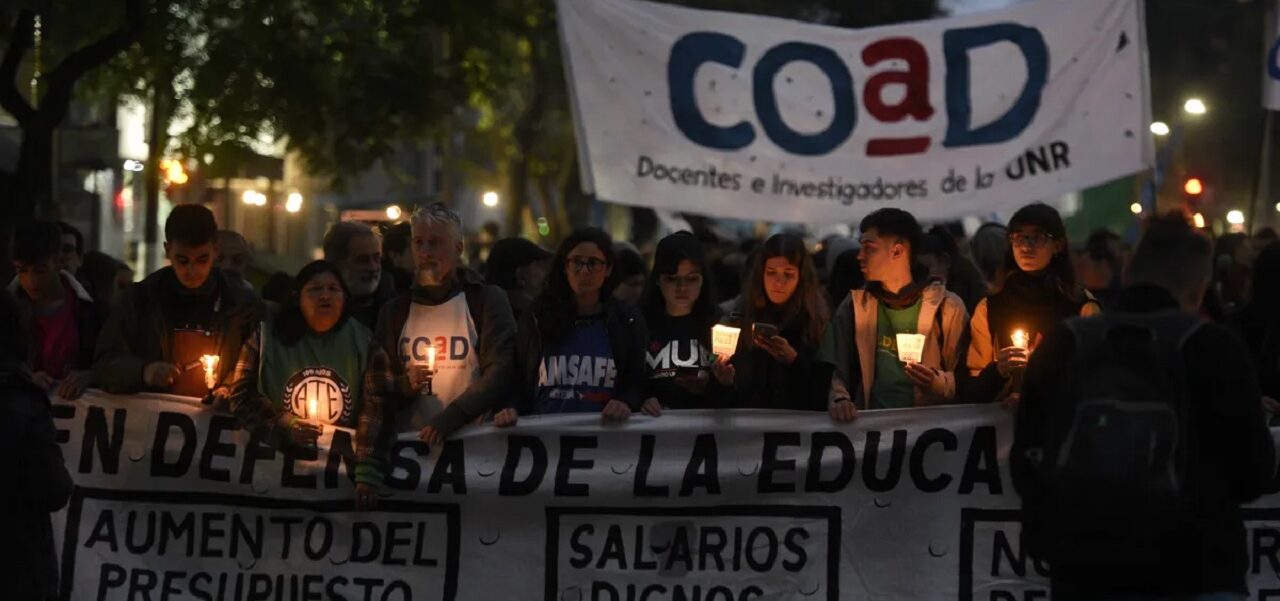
871 370
306 367
680 310
1039 290
784 314
580 350
162 327
442 353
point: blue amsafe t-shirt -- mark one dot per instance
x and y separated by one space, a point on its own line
578 376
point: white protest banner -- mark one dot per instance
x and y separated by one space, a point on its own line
175 502
1271 61
742 116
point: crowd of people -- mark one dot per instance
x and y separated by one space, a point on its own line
391 332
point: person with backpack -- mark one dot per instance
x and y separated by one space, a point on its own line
1038 291
862 340
580 349
1139 435
442 355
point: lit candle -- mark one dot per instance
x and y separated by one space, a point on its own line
1020 339
311 408
210 363
724 340
431 359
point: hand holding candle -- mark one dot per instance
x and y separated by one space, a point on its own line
210 363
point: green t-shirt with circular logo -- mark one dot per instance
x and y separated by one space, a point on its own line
892 388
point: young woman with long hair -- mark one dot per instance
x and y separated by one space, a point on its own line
580 350
1039 290
784 314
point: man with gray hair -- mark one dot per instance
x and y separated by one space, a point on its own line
1139 434
443 352
355 249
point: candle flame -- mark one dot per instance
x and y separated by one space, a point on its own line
431 358
311 408
1020 339
210 363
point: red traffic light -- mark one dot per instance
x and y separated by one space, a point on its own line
1194 186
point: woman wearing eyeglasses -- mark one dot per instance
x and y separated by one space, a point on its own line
680 311
579 350
1039 290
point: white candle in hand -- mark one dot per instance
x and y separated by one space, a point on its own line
1020 339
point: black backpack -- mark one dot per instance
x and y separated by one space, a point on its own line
1116 443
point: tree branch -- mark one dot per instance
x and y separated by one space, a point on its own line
62 80
19 41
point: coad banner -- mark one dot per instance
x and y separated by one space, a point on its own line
176 502
750 117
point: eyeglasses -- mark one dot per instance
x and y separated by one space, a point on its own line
1035 240
692 280
586 265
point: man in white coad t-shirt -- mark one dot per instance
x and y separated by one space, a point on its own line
449 313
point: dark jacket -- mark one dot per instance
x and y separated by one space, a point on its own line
628 336
137 333
1235 462
90 317
35 484
386 385
761 382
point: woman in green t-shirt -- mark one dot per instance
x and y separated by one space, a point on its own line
304 369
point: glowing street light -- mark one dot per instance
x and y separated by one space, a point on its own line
490 199
1135 208
1195 106
394 213
1198 219
1235 217
1194 186
1160 128
293 203
254 198
1278 207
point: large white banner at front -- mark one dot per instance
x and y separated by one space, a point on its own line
174 502
750 117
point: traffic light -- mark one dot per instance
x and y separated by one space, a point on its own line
1194 187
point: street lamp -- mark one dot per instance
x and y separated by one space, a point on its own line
1235 217
394 213
1198 218
293 203
490 199
254 197
1160 128
1135 208
1195 106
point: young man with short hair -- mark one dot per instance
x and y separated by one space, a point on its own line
163 325
57 316
469 325
355 249
862 339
